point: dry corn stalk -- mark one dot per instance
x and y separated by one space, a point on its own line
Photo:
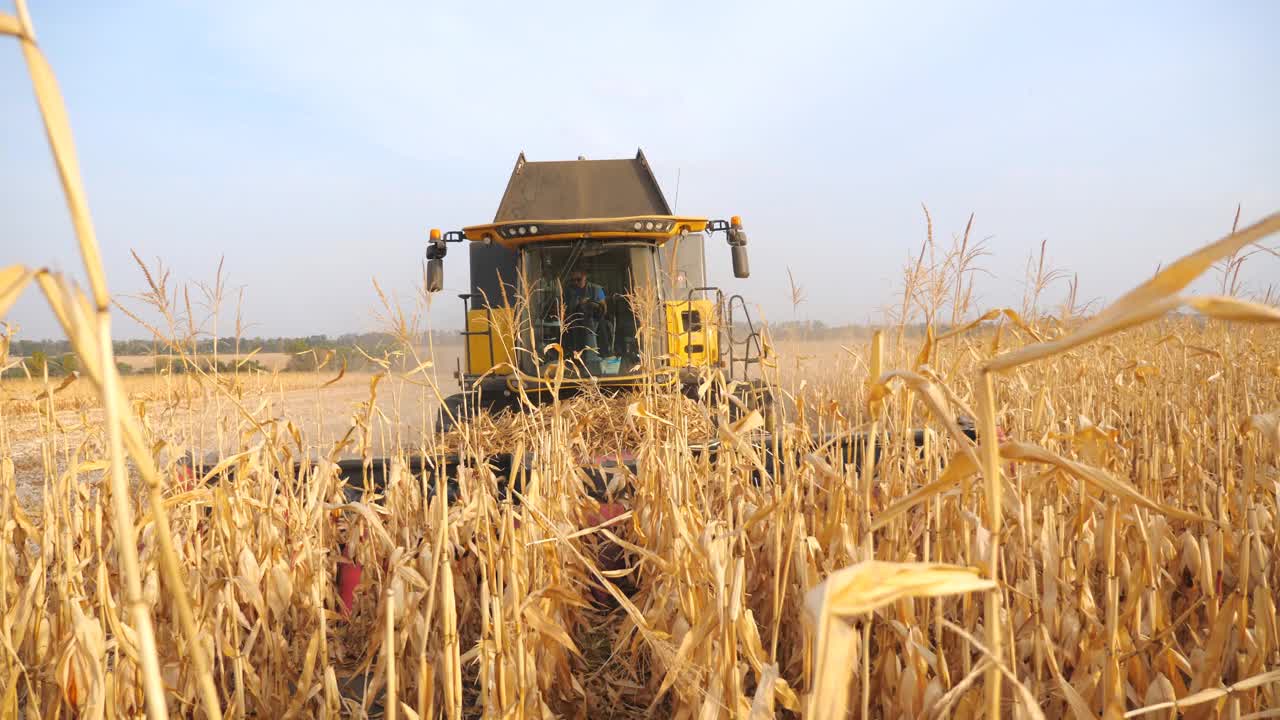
860 589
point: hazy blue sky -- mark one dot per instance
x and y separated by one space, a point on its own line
314 143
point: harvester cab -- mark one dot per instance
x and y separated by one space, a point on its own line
585 278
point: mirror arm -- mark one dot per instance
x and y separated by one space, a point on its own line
733 231
436 247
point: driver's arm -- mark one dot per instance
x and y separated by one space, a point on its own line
593 301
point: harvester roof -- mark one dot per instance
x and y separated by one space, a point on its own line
562 190
547 201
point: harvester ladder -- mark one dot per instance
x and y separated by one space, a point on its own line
749 341
744 347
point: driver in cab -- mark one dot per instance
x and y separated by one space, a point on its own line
584 306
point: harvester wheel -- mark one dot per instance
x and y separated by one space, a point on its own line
455 409
757 395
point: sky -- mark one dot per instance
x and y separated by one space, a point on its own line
311 145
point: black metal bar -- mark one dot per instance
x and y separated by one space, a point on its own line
733 341
466 332
488 320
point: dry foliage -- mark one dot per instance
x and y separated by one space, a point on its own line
1108 548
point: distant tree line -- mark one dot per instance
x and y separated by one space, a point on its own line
818 330
39 363
369 342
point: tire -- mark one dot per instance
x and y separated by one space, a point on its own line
455 409
760 397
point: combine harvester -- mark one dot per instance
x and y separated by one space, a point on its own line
582 260
586 281
639 316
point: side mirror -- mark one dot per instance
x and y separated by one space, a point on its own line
435 274
738 247
741 268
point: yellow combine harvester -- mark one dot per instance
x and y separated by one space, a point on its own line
586 279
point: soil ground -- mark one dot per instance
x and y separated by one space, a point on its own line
271 361
195 419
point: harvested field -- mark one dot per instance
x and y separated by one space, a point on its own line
142 363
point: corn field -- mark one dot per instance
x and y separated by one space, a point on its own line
1105 548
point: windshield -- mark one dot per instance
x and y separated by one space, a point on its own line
583 297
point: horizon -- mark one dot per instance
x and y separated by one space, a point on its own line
1126 137
788 328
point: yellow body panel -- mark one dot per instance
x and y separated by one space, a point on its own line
482 356
693 339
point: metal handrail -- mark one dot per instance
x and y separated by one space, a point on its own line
752 337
